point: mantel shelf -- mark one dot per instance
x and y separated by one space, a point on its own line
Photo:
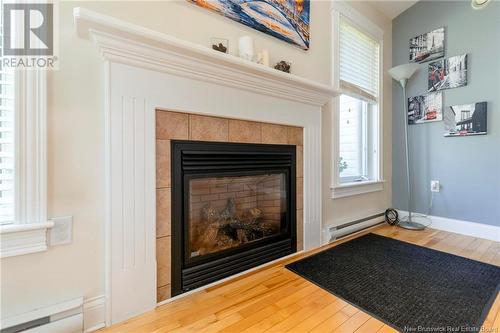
130 44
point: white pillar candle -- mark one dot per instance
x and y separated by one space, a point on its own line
246 47
265 58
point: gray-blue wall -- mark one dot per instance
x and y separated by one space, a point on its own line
467 167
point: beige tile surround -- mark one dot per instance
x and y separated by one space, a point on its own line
184 126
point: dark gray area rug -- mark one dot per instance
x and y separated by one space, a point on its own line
409 287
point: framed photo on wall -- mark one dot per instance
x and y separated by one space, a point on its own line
447 73
467 119
428 46
425 108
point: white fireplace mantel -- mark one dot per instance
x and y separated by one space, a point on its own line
135 45
145 70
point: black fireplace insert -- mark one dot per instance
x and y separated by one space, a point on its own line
233 208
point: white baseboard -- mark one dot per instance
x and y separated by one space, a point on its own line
65 316
94 313
69 324
467 228
55 311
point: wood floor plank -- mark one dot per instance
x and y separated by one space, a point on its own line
445 244
471 247
331 323
250 305
322 315
491 253
319 298
491 318
353 323
308 309
426 237
350 310
274 319
435 239
480 250
273 299
251 317
387 329
292 298
193 327
250 320
370 326
221 324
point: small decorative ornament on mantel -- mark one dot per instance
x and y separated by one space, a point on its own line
245 48
283 66
220 44
263 58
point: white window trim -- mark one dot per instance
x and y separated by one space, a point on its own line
357 188
337 189
28 234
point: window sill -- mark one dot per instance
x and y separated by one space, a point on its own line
19 239
356 188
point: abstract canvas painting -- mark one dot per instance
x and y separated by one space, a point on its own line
428 46
463 120
448 73
425 108
287 20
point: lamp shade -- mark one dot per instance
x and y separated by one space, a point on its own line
403 72
479 4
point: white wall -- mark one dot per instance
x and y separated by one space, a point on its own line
75 149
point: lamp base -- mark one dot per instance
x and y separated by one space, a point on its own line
411 225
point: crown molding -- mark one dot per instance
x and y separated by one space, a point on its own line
130 44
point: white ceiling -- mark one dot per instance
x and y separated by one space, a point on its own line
391 9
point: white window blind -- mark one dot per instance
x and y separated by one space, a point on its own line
359 62
7 139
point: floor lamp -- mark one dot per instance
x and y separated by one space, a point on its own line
402 74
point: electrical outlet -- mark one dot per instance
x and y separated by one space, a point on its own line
435 186
61 232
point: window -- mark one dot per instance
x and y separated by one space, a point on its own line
7 186
7 138
23 220
357 140
357 71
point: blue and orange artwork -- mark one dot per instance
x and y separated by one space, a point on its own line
287 20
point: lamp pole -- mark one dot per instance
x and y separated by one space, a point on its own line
407 149
401 74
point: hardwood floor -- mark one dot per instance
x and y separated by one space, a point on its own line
274 299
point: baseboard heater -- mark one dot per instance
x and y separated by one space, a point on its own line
64 317
346 229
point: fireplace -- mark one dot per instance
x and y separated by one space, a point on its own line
233 208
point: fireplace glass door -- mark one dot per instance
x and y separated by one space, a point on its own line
233 208
233 211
